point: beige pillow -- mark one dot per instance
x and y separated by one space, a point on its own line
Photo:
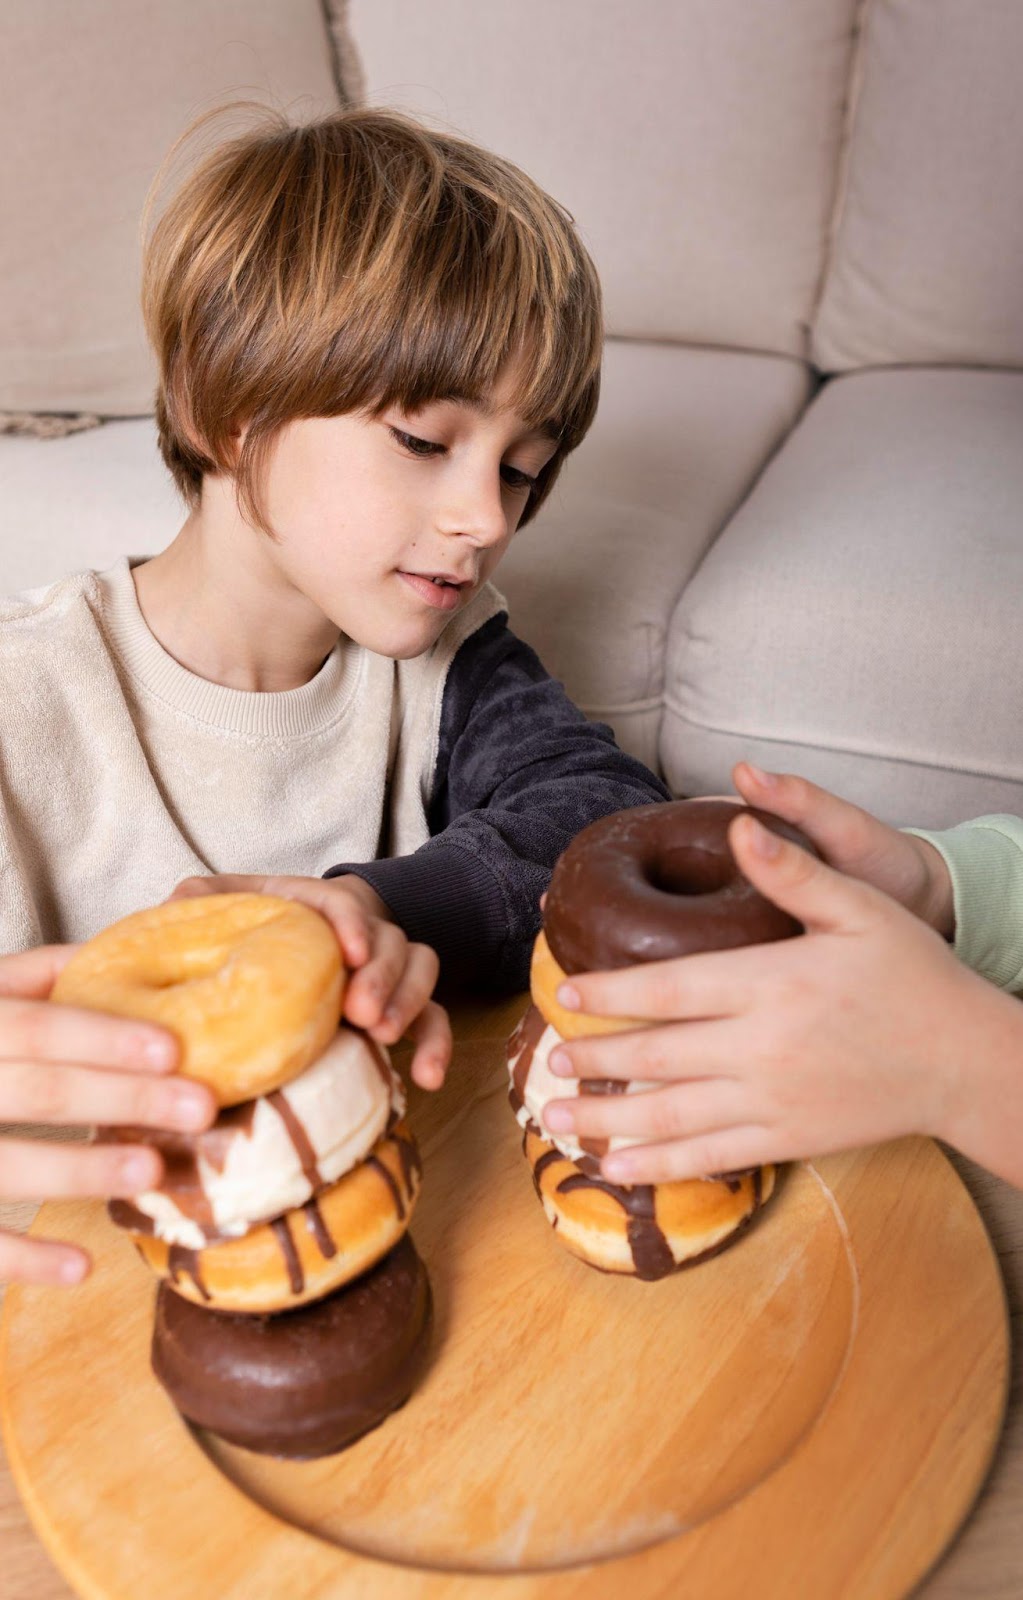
91 98
857 621
695 141
928 256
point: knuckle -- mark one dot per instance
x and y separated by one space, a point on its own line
42 1093
709 1156
427 961
29 1026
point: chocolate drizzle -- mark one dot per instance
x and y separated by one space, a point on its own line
599 1145
381 1063
282 1233
651 1253
523 1043
300 1141
408 1155
388 1177
548 1159
182 1262
319 1230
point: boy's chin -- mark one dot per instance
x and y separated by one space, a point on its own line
399 641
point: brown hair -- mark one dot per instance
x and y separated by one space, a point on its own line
356 263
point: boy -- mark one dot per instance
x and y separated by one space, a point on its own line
377 346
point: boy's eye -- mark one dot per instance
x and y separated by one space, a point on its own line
414 446
515 478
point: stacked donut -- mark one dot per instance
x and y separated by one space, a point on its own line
293 1313
646 884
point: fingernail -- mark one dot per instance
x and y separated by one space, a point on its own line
137 1172
568 997
560 1063
157 1050
617 1169
189 1108
559 1119
766 779
392 1016
763 842
72 1269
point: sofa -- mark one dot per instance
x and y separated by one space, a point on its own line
795 531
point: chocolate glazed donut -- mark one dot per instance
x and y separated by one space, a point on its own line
656 882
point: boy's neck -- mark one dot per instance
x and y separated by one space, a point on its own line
216 602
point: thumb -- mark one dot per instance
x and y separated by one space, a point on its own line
815 894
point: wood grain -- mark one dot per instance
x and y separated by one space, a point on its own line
913 1236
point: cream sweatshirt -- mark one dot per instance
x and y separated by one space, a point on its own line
121 772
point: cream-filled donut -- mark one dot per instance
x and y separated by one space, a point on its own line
533 1085
272 1154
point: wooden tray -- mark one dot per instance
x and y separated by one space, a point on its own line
812 1411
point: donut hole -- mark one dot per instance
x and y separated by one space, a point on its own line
689 870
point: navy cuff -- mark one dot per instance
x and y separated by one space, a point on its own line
444 897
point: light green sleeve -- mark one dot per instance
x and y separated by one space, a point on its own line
985 862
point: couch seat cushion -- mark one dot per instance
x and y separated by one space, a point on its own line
858 620
82 501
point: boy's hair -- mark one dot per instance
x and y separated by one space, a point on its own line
356 263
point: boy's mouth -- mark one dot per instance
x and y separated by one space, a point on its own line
440 589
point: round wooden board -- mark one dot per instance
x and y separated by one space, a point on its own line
815 1409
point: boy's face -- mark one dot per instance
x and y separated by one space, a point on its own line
389 525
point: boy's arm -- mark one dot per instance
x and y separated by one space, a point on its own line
519 771
985 863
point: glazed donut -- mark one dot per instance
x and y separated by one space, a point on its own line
303 1255
252 985
649 884
645 1230
306 1384
272 1154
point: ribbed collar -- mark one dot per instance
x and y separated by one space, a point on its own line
275 714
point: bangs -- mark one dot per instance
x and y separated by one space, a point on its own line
356 264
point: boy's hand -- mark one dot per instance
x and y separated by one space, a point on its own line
864 1028
68 1067
388 994
907 869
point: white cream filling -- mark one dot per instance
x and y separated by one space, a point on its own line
343 1103
542 1086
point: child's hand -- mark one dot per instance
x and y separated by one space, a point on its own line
908 869
864 1028
388 994
67 1067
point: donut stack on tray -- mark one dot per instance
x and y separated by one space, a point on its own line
293 1313
646 884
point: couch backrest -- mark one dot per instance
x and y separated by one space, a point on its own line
91 98
695 141
927 265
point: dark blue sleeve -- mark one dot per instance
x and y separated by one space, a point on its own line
519 771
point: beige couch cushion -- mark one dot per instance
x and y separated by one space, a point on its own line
859 619
66 504
929 242
91 98
695 141
680 436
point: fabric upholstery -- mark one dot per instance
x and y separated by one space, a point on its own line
858 620
91 99
929 226
694 142
67 504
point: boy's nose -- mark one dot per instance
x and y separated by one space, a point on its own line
476 513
